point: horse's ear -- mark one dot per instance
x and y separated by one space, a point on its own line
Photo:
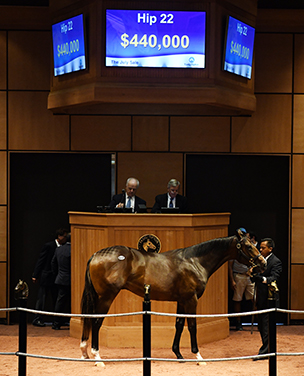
239 233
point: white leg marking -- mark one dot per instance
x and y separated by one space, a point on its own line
84 350
199 357
97 357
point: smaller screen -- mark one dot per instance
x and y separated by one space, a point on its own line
239 48
69 46
163 39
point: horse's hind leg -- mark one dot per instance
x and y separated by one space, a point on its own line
179 327
96 324
103 307
84 338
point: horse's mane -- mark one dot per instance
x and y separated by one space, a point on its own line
204 248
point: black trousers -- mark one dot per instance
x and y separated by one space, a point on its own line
63 304
43 293
263 321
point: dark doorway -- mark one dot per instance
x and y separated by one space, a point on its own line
44 187
254 189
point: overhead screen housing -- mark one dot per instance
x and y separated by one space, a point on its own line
158 39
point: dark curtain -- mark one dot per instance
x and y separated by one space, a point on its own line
254 189
44 187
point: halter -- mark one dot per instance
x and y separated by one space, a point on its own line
248 258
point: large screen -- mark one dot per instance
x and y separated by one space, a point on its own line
164 39
239 48
69 45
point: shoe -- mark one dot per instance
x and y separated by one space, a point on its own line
56 326
38 323
239 327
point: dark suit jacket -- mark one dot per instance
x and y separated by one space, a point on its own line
61 265
272 273
43 269
162 201
119 198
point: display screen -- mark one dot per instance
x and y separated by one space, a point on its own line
163 39
239 48
69 45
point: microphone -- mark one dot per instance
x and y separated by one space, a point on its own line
123 196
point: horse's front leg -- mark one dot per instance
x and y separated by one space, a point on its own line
193 336
179 327
96 324
191 309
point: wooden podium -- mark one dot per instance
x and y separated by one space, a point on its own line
91 232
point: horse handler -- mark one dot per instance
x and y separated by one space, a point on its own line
262 280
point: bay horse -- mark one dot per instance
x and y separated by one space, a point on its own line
179 275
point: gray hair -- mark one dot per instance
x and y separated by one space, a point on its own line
173 183
128 181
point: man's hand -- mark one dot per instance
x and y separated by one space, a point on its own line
233 285
257 278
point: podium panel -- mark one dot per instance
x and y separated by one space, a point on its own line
91 232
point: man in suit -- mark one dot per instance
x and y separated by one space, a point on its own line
61 268
271 274
43 274
128 198
170 199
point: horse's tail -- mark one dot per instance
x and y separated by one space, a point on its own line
87 303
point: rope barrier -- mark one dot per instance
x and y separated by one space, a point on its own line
288 310
18 353
144 358
23 355
214 359
7 353
8 309
213 315
152 313
290 354
92 316
149 358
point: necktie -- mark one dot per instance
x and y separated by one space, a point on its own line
171 203
129 202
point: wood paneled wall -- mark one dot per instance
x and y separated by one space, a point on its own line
150 147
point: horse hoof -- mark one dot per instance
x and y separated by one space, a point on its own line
85 357
200 360
201 363
100 364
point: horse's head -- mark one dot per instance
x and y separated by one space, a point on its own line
248 254
21 290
